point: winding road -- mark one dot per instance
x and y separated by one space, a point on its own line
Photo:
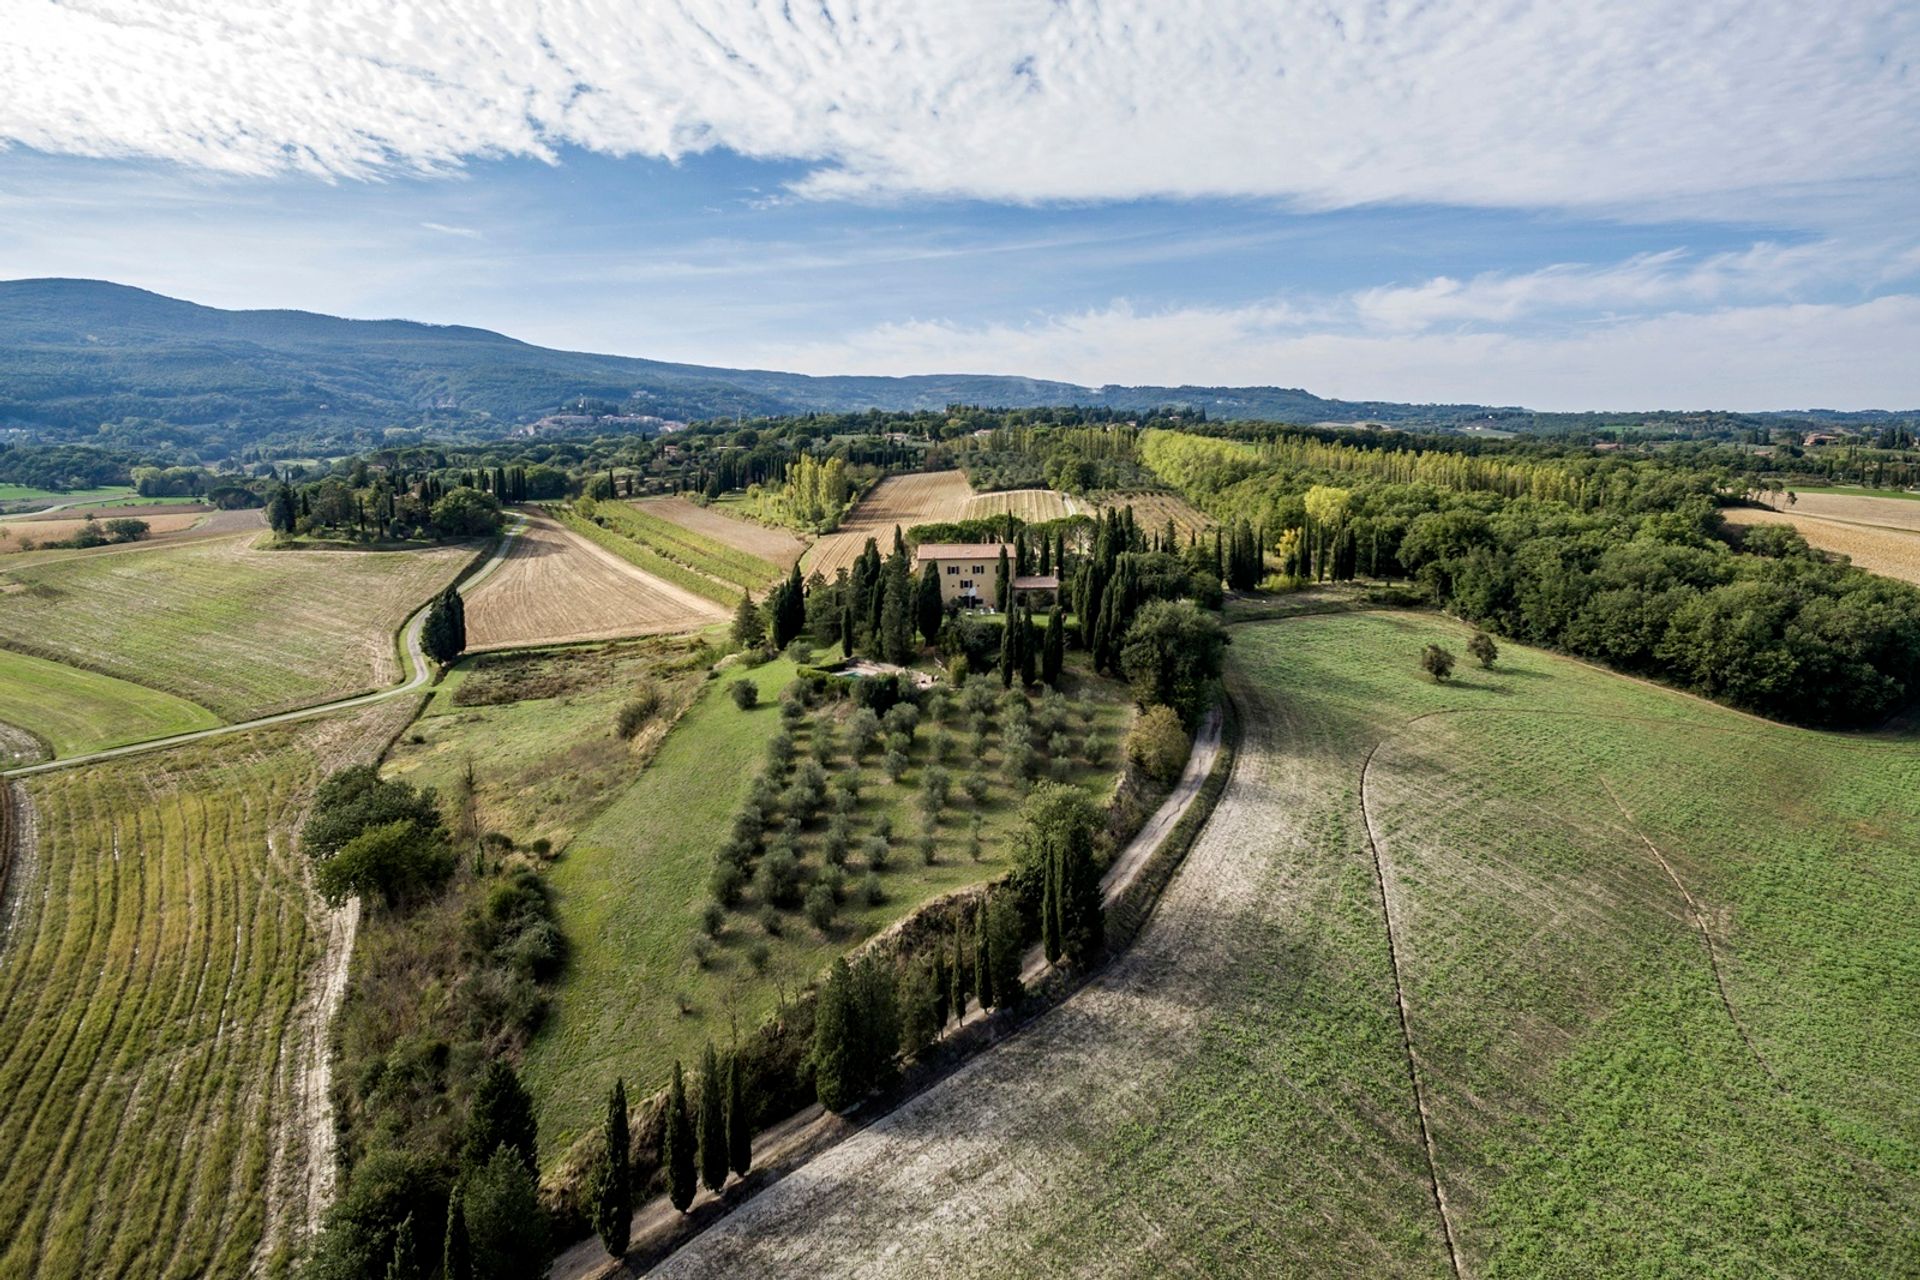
418 674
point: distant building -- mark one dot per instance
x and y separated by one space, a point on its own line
967 572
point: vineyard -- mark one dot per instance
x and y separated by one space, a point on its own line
242 632
1152 512
160 1018
556 586
1538 971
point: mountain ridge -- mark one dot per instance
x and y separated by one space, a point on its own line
77 353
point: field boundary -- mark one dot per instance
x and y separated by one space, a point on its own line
645 558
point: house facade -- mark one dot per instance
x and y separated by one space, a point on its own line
968 572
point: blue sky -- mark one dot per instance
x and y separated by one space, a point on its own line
1499 202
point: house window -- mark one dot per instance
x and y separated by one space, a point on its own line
953 571
979 569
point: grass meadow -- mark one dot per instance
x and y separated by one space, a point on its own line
632 886
242 632
73 712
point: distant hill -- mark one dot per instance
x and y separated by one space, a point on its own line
77 353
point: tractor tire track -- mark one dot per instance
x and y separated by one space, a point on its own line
1406 1033
1700 923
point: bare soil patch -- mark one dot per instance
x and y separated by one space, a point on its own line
897 500
41 530
555 587
1888 550
777 545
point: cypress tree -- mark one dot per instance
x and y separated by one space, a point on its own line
940 987
1003 582
1055 655
502 1115
676 1149
457 613
443 634
613 1207
931 608
1029 655
456 1251
405 1263
846 631
833 1030
957 975
982 971
1003 949
1007 657
1050 909
739 1118
713 1122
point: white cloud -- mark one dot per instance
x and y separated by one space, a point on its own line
464 233
1752 356
1636 105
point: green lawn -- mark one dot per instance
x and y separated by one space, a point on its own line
76 711
241 631
632 886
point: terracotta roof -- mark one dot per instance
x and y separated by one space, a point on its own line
959 550
1036 582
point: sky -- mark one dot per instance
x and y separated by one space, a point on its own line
1622 204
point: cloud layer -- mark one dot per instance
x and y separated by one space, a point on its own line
1714 105
1719 332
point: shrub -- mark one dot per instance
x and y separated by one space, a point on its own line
769 917
1436 662
820 906
976 786
801 652
863 729
935 786
874 850
778 880
1157 744
792 711
1094 749
839 840
1486 652
725 883
745 694
894 764
758 954
632 715
712 918
929 848
872 892
901 720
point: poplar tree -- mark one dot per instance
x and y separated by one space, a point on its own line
739 1118
613 1207
713 1122
676 1148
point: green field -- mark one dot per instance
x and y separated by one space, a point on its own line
538 729
240 631
642 556
632 886
154 1009
1661 980
74 711
696 551
27 493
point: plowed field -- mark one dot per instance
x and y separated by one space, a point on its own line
897 500
556 586
776 545
1031 505
1891 551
